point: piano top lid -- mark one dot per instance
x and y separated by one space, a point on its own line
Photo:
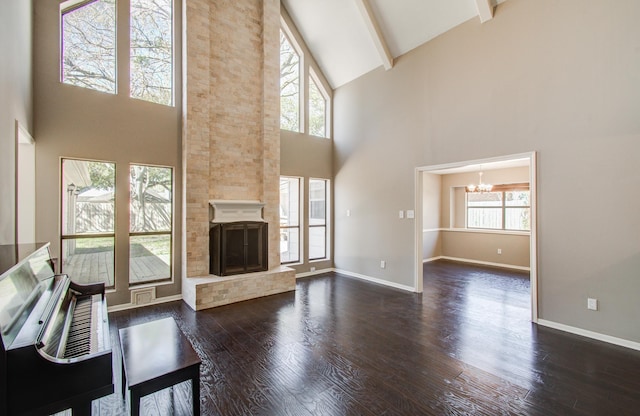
12 254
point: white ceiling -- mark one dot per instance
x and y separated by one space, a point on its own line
341 41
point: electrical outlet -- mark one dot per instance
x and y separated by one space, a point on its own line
313 269
383 264
499 251
592 304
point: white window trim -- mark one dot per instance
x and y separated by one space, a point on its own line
503 208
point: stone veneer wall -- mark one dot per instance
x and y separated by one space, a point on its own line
231 143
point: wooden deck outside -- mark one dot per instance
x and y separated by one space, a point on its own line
98 267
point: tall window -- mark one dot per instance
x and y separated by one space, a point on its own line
289 85
317 109
289 220
150 223
304 101
88 218
89 47
317 219
506 208
151 48
89 44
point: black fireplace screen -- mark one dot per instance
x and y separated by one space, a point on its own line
238 247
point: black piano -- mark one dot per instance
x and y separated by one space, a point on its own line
55 351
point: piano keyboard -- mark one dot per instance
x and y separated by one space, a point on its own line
79 339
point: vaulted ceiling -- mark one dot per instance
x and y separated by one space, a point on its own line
349 38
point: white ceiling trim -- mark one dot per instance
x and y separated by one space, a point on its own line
485 10
376 34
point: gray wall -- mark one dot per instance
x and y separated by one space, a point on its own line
560 78
77 122
15 101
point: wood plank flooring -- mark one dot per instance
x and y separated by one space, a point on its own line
341 346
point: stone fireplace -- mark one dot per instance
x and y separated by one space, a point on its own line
237 238
231 139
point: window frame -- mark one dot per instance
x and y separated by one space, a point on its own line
70 6
173 57
325 225
121 43
82 236
284 29
308 70
313 77
299 227
502 190
154 233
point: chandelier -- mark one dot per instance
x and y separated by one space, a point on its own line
480 187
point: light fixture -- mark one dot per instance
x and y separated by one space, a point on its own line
480 187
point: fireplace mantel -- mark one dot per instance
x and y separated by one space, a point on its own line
236 210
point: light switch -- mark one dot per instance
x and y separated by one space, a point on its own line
400 214
410 213
348 213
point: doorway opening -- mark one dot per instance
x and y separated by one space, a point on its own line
445 228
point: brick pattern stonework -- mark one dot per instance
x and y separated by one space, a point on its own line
231 130
209 292
195 143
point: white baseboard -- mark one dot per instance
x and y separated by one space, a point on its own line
376 280
313 273
590 334
125 306
483 263
432 259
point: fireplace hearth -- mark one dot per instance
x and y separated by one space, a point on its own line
238 258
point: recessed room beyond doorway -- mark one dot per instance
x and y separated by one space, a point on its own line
446 228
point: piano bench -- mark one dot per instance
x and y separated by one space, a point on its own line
157 355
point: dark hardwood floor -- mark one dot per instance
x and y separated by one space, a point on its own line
341 346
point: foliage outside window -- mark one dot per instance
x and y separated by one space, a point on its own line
318 219
508 209
151 48
89 45
150 223
289 220
317 110
88 221
289 85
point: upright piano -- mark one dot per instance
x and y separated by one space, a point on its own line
55 350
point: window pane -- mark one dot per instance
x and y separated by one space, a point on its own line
517 219
289 85
289 245
317 202
317 243
150 199
149 258
289 201
89 46
517 199
152 50
88 260
87 197
484 199
317 104
484 218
